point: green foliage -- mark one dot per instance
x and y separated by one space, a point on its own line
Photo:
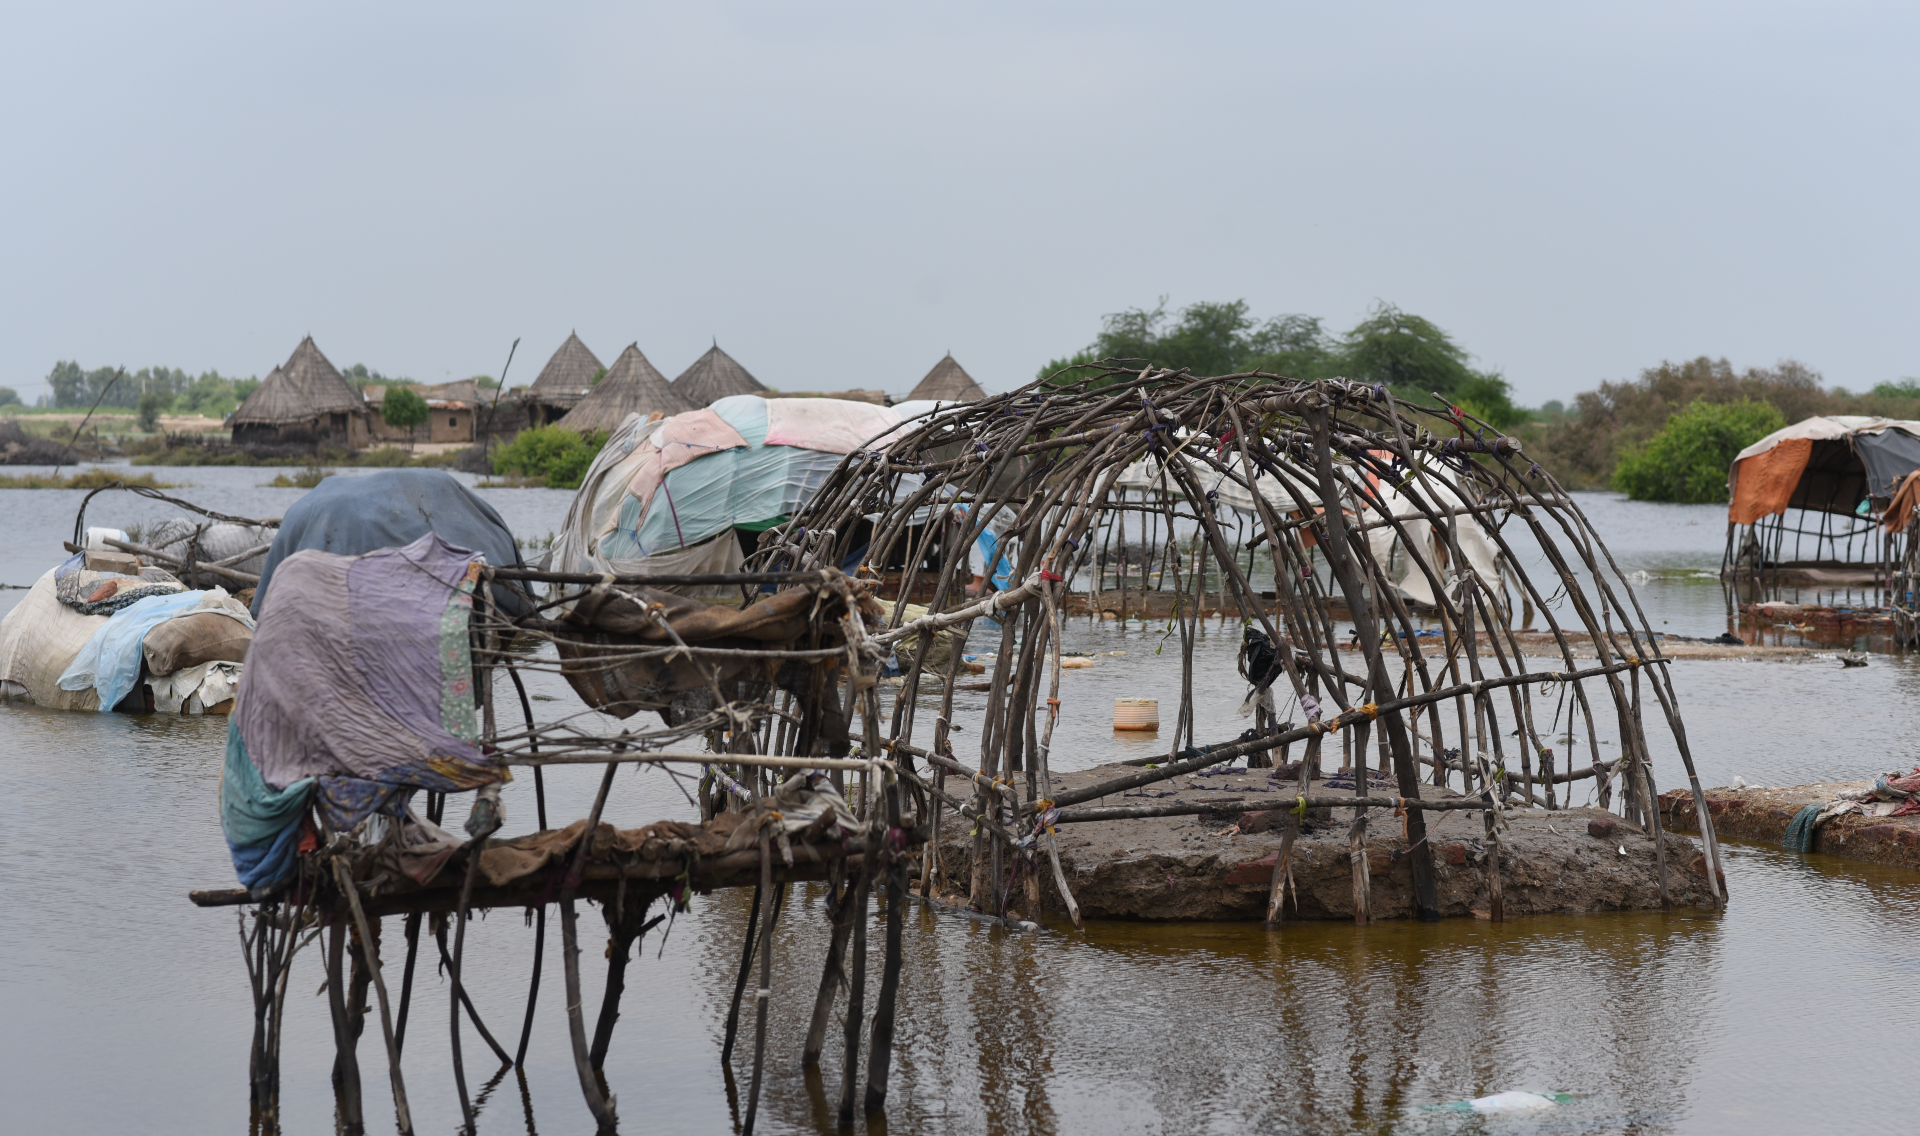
403 408
1407 353
85 479
1206 339
1688 459
307 478
358 376
1402 351
1583 446
151 405
486 382
558 456
1905 388
173 390
9 397
597 376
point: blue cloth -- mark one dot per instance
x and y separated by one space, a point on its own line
110 662
261 823
1800 834
357 514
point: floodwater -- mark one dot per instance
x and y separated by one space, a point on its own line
126 1008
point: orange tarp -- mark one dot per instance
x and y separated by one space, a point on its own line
1764 483
1900 509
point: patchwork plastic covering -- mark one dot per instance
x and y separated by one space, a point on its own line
662 492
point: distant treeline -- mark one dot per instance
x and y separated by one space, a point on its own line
1583 445
1407 353
166 390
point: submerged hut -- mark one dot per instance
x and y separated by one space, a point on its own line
715 376
948 382
304 401
630 386
562 383
1805 498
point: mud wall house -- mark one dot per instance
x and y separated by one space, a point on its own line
450 413
714 376
630 386
561 384
303 402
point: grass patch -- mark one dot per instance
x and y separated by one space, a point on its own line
85 479
549 455
305 479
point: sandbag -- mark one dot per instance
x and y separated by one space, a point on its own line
190 640
39 638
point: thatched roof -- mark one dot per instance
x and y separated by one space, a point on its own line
948 381
568 376
306 386
713 377
631 386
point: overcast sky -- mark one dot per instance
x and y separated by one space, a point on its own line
841 193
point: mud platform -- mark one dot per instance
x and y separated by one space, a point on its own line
1762 816
1198 868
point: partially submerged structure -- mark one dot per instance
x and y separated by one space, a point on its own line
138 627
947 382
630 386
1807 500
714 376
562 383
810 767
1040 469
305 402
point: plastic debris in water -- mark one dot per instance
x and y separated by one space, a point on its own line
1508 1102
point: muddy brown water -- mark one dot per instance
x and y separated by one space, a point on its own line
125 1008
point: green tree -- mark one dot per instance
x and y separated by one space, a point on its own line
1207 338
554 454
9 397
152 405
403 408
1688 459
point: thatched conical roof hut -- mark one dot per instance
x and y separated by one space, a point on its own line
631 386
563 382
949 382
713 377
304 400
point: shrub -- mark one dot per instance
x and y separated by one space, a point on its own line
557 455
1688 459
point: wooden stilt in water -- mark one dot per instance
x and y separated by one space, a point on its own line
346 1068
406 978
840 910
533 985
880 1047
764 993
623 927
856 989
740 979
402 1113
598 1102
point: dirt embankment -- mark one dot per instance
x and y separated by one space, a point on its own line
1762 816
1193 867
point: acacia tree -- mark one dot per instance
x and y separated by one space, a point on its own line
403 408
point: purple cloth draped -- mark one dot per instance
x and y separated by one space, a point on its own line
360 674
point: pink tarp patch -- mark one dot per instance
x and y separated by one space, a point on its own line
830 425
680 440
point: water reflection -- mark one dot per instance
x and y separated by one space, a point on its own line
127 1008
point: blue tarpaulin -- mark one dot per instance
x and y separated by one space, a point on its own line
357 514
